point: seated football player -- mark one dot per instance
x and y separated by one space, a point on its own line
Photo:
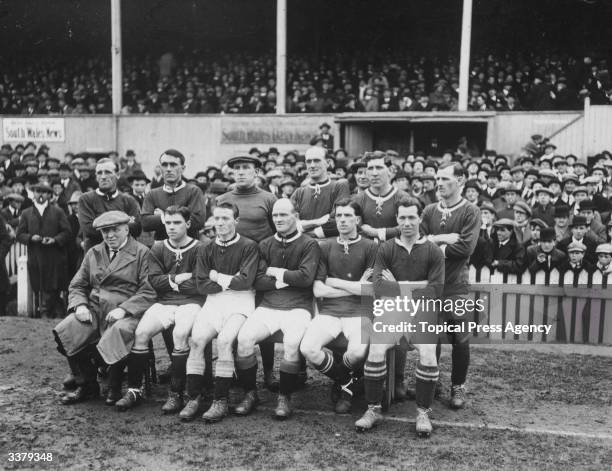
290 259
171 273
225 272
345 265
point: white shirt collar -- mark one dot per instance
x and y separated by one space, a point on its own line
399 242
227 243
41 207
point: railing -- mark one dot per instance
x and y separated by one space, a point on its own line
577 308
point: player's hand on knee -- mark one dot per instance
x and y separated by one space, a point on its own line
115 315
83 314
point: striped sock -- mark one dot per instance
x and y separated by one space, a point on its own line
137 363
374 378
426 379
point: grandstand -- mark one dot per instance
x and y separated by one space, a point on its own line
499 87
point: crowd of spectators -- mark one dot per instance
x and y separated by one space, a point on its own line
534 203
360 81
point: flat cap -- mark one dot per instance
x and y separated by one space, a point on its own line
249 159
274 173
604 248
538 222
546 173
110 219
487 206
74 198
579 189
576 247
14 197
586 205
504 222
544 190
591 181
522 207
287 181
516 168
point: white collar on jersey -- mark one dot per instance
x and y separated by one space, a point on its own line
380 200
420 241
179 251
108 196
317 187
346 243
227 243
290 239
181 185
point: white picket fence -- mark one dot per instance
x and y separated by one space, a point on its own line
578 309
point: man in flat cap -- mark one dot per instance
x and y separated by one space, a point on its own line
106 299
44 228
561 226
255 222
587 209
328 138
579 233
508 254
106 198
544 209
521 216
604 259
575 261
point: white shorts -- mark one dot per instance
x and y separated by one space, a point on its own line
351 327
169 315
294 321
219 307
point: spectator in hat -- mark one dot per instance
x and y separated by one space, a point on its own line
287 187
274 178
45 230
508 196
130 165
75 247
328 138
535 228
483 254
561 222
68 181
87 179
543 209
491 192
12 211
575 262
521 212
579 229
508 254
472 191
568 184
604 259
544 256
586 208
428 195
138 182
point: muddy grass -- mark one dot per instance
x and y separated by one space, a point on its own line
541 390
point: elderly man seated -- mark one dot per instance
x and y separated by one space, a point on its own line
106 299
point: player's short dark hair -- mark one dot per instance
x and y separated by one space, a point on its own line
349 202
173 153
106 160
409 201
228 205
376 155
184 211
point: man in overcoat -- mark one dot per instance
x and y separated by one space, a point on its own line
107 297
44 228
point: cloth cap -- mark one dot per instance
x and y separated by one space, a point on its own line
110 219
